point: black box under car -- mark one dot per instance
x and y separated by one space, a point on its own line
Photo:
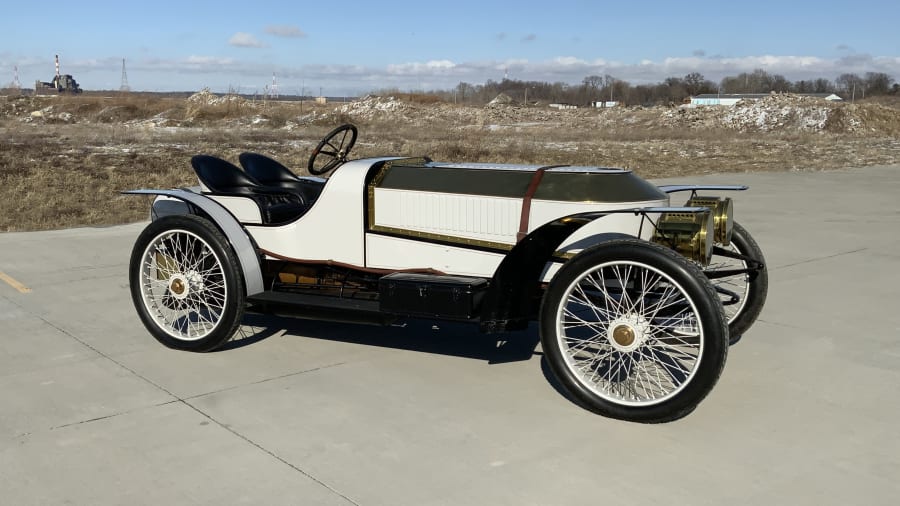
431 296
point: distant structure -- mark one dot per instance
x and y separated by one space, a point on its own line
273 91
124 86
731 99
61 83
15 85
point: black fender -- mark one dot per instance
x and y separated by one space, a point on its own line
238 237
512 298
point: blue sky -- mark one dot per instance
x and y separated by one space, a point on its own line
347 48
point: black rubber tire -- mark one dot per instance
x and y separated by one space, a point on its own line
695 286
232 280
758 285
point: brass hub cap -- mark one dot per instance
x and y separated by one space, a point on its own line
623 335
628 332
179 286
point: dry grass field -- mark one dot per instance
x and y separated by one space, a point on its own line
64 160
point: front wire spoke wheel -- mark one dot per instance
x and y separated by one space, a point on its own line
634 331
743 292
644 369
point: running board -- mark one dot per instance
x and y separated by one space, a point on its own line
319 307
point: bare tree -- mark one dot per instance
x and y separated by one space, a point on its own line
695 83
878 83
672 90
593 82
758 81
822 85
851 84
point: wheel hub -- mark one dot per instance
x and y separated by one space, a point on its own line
179 286
627 333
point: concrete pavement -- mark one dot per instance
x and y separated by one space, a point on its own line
95 411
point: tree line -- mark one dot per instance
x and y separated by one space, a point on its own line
672 90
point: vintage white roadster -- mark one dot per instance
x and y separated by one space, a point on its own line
635 297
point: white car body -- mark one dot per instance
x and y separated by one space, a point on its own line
335 229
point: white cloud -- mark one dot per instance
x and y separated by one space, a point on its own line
243 39
208 60
569 61
290 31
429 67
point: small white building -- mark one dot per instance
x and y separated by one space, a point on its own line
733 98
605 103
562 106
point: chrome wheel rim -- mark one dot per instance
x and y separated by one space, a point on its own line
183 285
629 333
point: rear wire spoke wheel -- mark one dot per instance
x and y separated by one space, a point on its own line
744 293
634 331
186 284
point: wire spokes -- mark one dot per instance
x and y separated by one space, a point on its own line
183 285
737 284
630 333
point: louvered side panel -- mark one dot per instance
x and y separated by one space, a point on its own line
493 219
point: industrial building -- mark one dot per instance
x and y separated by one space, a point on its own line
731 99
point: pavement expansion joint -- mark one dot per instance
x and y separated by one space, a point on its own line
270 453
819 259
265 380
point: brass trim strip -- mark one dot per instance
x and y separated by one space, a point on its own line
450 239
334 263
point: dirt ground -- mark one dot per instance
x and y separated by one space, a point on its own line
64 160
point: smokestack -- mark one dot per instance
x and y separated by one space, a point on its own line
57 65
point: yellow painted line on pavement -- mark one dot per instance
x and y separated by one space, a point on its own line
13 283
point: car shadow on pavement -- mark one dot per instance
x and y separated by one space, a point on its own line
437 337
